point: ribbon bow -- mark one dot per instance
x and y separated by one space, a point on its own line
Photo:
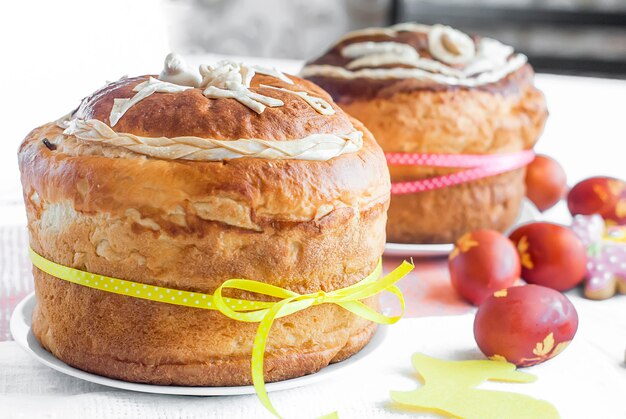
292 302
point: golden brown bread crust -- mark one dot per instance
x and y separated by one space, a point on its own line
412 116
190 113
303 225
143 341
248 193
443 215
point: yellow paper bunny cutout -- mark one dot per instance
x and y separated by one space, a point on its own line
449 388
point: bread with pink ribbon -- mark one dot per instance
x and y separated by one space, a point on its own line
206 227
457 116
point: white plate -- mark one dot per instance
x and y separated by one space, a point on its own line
23 335
528 213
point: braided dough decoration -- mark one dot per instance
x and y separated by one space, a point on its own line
456 59
144 89
231 80
450 46
317 103
177 71
320 147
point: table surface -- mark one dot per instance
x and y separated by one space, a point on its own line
584 132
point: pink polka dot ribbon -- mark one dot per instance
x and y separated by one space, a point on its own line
477 166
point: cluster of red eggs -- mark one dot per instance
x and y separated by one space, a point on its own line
546 185
529 324
525 324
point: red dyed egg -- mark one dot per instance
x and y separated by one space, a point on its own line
599 195
482 262
546 182
551 255
525 325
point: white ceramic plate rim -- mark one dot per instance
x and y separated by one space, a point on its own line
528 213
21 330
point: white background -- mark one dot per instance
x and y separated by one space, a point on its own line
56 52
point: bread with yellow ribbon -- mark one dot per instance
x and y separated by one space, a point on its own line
183 181
435 90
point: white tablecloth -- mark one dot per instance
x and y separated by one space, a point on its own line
586 381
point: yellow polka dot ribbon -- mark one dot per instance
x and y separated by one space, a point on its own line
262 312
